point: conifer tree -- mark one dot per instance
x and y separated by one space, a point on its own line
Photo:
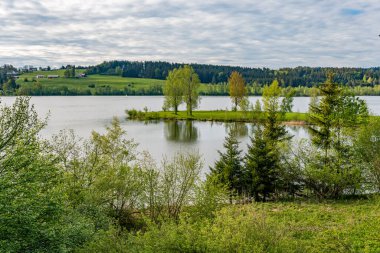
261 162
263 159
274 130
228 170
323 115
331 168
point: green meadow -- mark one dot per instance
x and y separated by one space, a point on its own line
89 82
90 85
331 226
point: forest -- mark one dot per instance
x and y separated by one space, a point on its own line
294 77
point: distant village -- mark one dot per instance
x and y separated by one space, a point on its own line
29 68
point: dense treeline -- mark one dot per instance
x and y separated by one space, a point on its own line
294 77
299 91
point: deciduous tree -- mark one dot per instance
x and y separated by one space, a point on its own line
191 85
237 88
173 90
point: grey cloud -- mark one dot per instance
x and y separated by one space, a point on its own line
248 33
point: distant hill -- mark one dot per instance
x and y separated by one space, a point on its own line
294 77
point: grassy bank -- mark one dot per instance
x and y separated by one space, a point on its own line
336 226
224 116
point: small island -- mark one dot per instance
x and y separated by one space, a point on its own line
290 118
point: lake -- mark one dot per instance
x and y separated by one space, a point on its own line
87 113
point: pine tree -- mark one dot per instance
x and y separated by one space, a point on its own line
263 157
323 115
228 170
261 162
274 130
331 170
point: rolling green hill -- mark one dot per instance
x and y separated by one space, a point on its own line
90 85
96 84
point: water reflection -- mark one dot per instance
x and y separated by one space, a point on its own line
239 129
181 131
243 130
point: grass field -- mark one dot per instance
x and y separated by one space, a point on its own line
116 82
142 86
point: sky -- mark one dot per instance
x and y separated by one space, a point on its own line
252 33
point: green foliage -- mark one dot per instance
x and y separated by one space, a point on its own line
180 177
367 147
350 226
101 195
287 101
272 108
191 85
262 163
109 241
299 77
33 213
173 90
69 72
222 116
237 89
332 167
182 85
141 84
228 170
102 176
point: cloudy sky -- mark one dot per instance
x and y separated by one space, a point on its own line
257 33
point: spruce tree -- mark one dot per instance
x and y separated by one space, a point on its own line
263 158
228 170
323 115
274 130
332 170
261 162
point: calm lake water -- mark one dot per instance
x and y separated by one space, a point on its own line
84 114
